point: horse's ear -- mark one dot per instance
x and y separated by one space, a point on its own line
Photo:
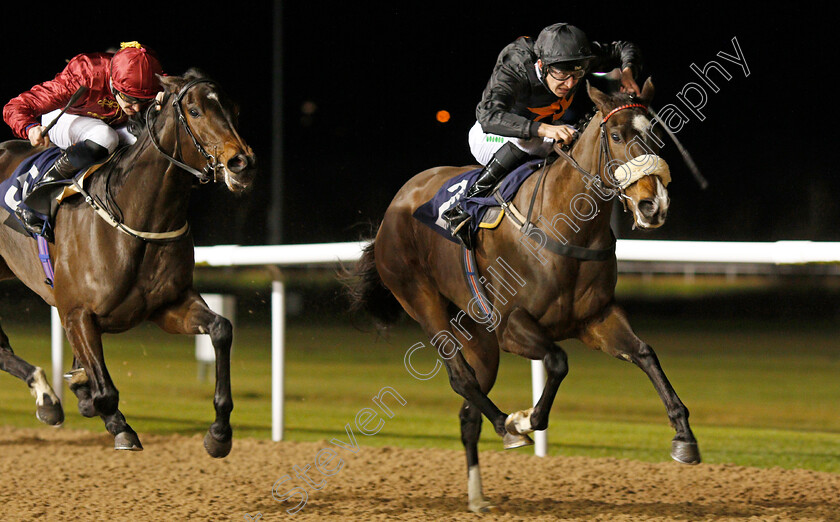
171 84
647 92
597 96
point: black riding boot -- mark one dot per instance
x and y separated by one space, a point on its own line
73 159
507 158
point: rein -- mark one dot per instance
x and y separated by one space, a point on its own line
209 174
577 252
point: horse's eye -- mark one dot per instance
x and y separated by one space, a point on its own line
193 113
615 137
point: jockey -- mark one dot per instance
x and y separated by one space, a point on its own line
119 85
530 89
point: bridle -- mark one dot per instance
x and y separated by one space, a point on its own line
211 170
209 173
563 249
605 158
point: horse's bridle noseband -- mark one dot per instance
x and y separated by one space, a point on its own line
213 164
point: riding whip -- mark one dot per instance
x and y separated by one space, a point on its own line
686 156
73 99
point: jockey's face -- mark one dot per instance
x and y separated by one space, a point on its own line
560 82
131 106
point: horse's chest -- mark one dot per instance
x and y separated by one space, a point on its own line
575 298
130 291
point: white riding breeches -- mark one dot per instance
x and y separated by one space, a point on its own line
71 129
483 145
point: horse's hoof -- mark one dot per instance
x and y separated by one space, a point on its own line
685 452
215 448
50 412
517 440
127 441
482 506
519 422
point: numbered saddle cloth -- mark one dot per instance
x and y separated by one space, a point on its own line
482 210
15 189
18 186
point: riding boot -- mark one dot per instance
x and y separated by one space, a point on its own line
506 159
73 159
33 223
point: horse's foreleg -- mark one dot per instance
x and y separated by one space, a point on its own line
525 337
94 386
613 335
192 316
49 410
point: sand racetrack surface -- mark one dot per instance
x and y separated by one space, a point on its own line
50 474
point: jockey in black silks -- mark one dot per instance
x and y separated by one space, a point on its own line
526 105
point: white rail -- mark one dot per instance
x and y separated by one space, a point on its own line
775 253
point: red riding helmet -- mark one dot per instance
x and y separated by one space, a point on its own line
133 70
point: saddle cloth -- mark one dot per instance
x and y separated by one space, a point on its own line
485 212
17 187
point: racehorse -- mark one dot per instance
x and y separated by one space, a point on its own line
569 294
110 275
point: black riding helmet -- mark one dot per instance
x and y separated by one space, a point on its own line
563 45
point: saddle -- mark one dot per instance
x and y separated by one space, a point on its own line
486 212
17 188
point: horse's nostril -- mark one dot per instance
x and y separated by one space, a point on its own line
647 207
238 163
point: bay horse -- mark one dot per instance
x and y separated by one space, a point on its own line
409 265
109 276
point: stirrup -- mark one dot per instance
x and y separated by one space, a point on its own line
33 224
462 233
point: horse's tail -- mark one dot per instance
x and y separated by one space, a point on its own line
366 292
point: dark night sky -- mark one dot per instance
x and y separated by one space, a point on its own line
377 77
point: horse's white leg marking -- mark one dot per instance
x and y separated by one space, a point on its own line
519 422
40 387
478 504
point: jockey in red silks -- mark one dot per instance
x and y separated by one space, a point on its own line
521 110
119 85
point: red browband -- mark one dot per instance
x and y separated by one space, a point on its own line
628 106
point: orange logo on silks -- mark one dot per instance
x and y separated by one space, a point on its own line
555 110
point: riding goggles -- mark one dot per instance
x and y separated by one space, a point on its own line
131 100
562 75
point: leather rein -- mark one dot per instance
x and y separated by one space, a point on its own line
208 174
552 245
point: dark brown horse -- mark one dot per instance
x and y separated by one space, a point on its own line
539 297
109 279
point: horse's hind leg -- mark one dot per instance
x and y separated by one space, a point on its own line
94 385
49 410
429 308
483 357
613 335
192 316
